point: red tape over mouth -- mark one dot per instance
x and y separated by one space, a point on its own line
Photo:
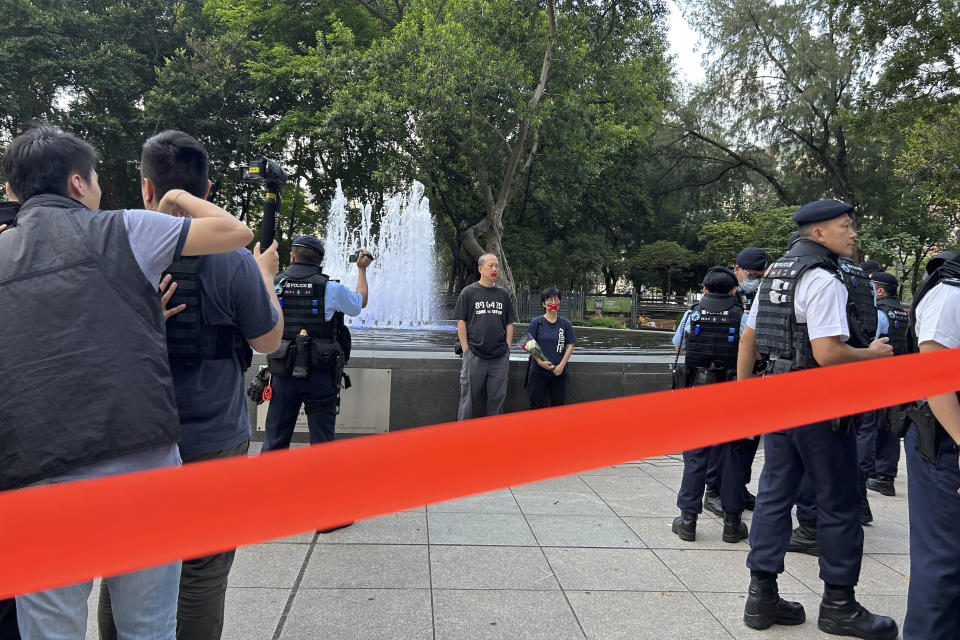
61 534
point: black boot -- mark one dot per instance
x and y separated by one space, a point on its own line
804 539
685 526
711 501
882 485
842 615
749 500
733 529
765 607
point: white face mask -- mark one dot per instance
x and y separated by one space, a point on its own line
750 285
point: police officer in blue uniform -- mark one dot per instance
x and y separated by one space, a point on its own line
749 268
879 447
798 321
308 367
710 331
933 476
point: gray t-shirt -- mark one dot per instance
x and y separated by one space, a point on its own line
487 312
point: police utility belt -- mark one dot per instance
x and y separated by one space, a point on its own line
299 356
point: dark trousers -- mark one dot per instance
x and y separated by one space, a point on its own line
933 600
716 464
695 464
542 387
877 450
203 583
829 457
807 501
320 398
8 620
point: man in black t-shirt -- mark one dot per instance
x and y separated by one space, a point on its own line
485 320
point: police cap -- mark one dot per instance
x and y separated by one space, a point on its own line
821 210
886 280
753 259
309 242
871 266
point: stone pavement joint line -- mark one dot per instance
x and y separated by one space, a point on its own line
582 556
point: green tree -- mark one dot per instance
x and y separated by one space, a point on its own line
663 256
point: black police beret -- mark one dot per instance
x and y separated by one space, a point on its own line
821 210
871 266
753 259
309 242
888 280
793 238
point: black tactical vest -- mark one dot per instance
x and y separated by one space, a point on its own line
779 337
899 323
301 290
81 335
714 334
189 338
861 309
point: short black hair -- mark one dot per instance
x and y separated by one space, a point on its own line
549 292
719 280
42 159
175 160
306 254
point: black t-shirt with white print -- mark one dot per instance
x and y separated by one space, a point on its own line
487 312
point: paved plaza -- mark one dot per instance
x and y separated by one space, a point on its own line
581 556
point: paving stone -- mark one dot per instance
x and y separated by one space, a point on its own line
656 533
899 562
563 483
719 571
885 536
622 470
405 527
875 578
611 570
252 612
368 566
503 615
562 503
480 529
371 614
463 567
273 566
626 615
583 531
493 502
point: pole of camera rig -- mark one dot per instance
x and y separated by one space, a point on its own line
269 227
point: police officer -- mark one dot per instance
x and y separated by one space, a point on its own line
308 366
749 268
711 332
933 477
799 321
879 449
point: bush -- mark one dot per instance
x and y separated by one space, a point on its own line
578 323
606 323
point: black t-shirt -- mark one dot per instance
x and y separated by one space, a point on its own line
487 312
553 339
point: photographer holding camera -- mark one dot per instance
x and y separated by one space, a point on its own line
308 367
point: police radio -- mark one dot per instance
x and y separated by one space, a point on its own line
262 170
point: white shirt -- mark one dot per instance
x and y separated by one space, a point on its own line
938 316
820 300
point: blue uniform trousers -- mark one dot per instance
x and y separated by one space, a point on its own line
806 501
695 464
829 457
715 464
320 397
933 600
877 450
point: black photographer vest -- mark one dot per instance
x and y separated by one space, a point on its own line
778 334
82 337
714 335
899 323
861 309
190 339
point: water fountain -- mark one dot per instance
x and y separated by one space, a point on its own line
402 278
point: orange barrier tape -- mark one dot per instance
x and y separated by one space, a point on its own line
66 533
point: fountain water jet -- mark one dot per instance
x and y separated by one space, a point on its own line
402 278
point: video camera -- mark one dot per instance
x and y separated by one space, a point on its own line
263 170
